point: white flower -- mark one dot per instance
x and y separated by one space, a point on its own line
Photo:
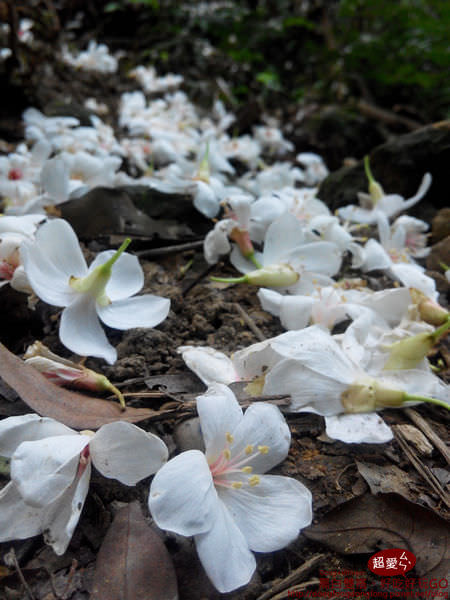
377 201
51 468
393 255
285 245
58 274
222 497
11 269
314 168
95 58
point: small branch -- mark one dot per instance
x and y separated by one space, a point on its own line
250 322
420 467
387 116
11 560
202 275
299 574
170 249
418 420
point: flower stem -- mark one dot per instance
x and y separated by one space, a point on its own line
416 398
255 261
369 175
440 331
109 263
242 279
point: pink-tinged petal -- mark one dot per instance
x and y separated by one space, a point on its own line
306 388
224 553
62 516
127 276
81 332
140 311
125 452
44 469
375 257
264 428
365 428
219 413
210 365
28 428
17 519
182 496
271 513
282 236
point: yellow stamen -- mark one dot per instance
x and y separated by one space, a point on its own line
263 449
249 449
227 454
229 437
236 485
247 469
254 480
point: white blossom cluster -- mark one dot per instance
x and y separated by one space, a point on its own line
223 497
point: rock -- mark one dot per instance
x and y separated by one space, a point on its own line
440 226
399 165
440 253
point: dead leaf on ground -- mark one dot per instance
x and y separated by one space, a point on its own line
133 562
49 400
370 523
386 479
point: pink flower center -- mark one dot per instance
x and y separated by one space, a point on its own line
15 174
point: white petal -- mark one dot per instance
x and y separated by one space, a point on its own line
62 516
205 200
270 514
307 388
242 264
219 413
375 256
20 281
391 304
262 425
127 276
81 332
319 257
49 283
140 311
357 214
15 430
59 243
125 452
282 236
412 276
182 496
216 241
368 428
44 469
210 365
224 553
295 311
55 179
17 519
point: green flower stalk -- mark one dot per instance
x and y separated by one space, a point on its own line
375 190
282 275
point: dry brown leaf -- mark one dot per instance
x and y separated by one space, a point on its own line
49 400
133 562
370 523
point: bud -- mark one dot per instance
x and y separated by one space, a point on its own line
62 372
242 239
282 275
407 353
370 396
430 311
375 190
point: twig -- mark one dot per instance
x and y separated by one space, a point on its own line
202 275
421 468
418 420
170 249
250 322
297 588
387 116
12 559
298 575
